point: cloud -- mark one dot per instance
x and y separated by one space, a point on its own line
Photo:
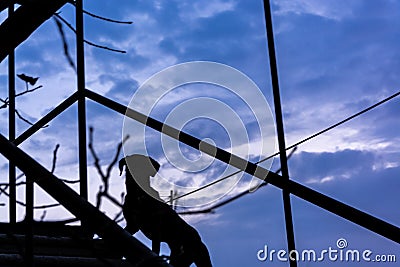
363 179
121 89
197 10
316 81
329 166
334 59
335 10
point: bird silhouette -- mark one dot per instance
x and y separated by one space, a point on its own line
28 79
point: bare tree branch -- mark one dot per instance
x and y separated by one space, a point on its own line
105 177
28 91
65 43
24 119
43 215
5 186
231 199
86 41
3 191
6 101
104 18
53 165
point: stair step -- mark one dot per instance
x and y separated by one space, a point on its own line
44 228
58 246
14 260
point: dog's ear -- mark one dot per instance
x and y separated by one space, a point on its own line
121 165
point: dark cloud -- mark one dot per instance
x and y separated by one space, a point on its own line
244 227
122 89
321 61
358 179
324 59
306 166
248 224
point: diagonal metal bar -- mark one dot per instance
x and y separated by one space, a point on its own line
279 128
345 211
26 19
137 253
47 118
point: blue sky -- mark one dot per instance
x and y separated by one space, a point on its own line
334 59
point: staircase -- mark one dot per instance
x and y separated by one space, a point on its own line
58 251
31 243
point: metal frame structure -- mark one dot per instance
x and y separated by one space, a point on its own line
11 128
289 187
279 128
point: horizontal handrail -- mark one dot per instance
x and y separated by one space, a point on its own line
130 247
341 209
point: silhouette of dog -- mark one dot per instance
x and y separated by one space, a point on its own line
144 210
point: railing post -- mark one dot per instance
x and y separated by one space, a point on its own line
29 202
80 59
11 128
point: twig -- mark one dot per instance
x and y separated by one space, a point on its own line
113 200
22 118
86 41
107 19
102 18
229 200
43 215
5 186
117 216
53 166
7 101
65 43
69 181
105 177
26 120
35 207
4 103
29 91
65 221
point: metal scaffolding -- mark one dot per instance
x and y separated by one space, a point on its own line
33 170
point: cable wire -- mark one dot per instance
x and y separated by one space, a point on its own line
296 144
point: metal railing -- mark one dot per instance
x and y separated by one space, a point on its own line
107 228
134 251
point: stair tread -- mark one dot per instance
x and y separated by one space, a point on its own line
58 246
61 261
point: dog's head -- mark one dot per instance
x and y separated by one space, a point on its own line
139 169
139 165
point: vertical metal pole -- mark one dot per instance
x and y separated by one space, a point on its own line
11 127
29 200
80 58
279 126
